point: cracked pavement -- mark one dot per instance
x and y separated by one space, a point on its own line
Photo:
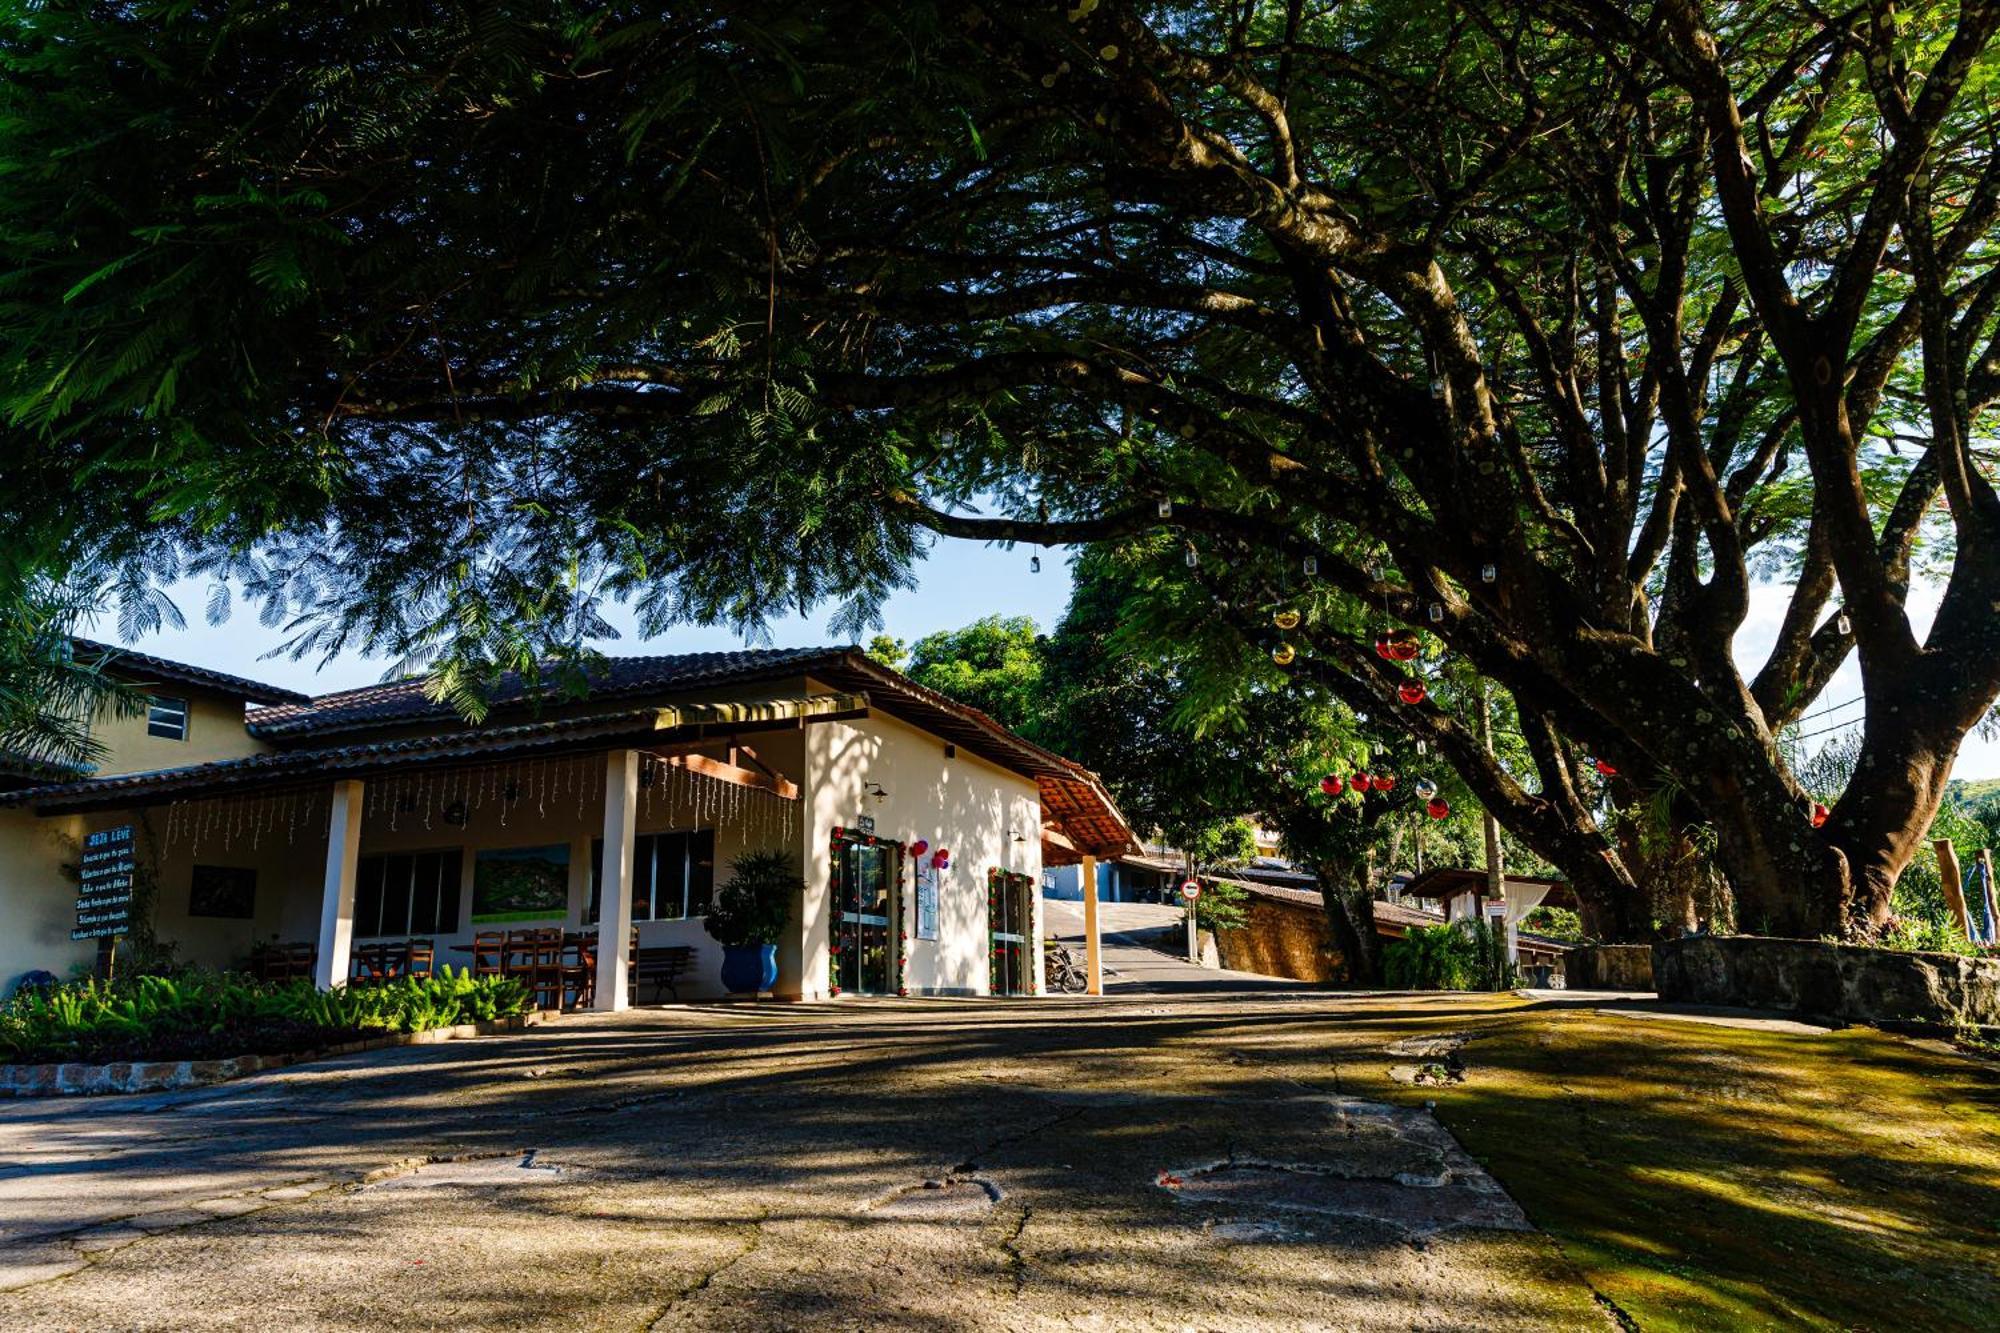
726 1166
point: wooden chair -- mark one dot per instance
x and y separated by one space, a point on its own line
545 967
518 959
489 954
301 960
580 972
367 962
419 958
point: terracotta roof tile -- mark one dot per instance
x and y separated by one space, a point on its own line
128 661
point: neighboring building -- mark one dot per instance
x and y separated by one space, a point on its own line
379 814
1151 875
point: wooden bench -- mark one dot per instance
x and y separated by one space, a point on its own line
663 965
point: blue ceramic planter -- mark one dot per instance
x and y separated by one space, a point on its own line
749 968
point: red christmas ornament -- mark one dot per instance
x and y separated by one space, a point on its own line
1411 692
919 847
1359 782
1438 807
1385 782
1820 814
837 832
1605 769
1403 645
1332 785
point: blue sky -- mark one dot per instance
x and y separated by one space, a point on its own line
961 582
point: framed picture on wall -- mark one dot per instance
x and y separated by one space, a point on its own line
223 891
520 884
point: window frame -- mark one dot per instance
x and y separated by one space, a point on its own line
646 866
450 888
155 703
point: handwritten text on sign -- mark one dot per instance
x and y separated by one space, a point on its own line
104 897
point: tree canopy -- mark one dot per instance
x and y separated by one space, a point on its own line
1544 328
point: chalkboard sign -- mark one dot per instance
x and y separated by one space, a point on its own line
104 895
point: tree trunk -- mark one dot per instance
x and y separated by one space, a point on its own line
1349 900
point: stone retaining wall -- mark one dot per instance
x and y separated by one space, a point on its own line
1609 967
165 1075
1284 939
1846 983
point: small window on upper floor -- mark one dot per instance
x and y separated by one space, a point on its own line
167 718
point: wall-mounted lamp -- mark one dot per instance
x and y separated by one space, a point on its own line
874 790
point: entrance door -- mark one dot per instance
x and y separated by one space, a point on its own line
864 881
1009 931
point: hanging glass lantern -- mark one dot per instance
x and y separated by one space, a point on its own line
1423 747
1166 508
1312 566
1426 788
1437 807
1287 618
1192 559
1843 626
1034 564
1489 573
1411 692
1437 612
1283 654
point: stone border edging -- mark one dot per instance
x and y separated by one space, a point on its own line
77 1079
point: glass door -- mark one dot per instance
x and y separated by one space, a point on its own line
1009 931
865 920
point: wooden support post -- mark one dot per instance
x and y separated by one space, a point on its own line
336 907
1952 878
614 889
1093 958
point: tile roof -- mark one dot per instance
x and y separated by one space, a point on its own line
128 661
402 701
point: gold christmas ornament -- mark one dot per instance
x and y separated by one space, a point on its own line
1283 654
1286 619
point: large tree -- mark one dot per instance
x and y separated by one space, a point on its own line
1545 326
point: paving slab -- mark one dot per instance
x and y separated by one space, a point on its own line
891 1164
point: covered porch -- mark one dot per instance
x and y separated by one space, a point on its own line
484 851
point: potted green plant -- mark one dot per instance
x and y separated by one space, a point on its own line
749 917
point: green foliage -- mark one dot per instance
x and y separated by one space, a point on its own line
1458 956
995 664
753 906
1222 845
1221 906
73 1020
1556 923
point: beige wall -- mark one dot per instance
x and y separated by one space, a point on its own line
40 896
963 803
214 731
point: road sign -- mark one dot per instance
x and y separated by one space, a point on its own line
1191 889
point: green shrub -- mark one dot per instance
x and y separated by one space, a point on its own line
1456 956
754 905
196 1014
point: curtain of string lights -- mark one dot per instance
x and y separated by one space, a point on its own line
452 798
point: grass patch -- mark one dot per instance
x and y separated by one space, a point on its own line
1705 1177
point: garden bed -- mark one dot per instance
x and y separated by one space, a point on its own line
76 1078
149 1032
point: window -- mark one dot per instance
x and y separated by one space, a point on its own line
167 718
673 875
409 893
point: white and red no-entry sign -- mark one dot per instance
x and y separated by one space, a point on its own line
1190 889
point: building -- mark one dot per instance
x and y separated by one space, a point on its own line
260 817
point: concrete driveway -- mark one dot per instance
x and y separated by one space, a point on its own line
1134 1162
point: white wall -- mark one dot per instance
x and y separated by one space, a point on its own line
963 803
